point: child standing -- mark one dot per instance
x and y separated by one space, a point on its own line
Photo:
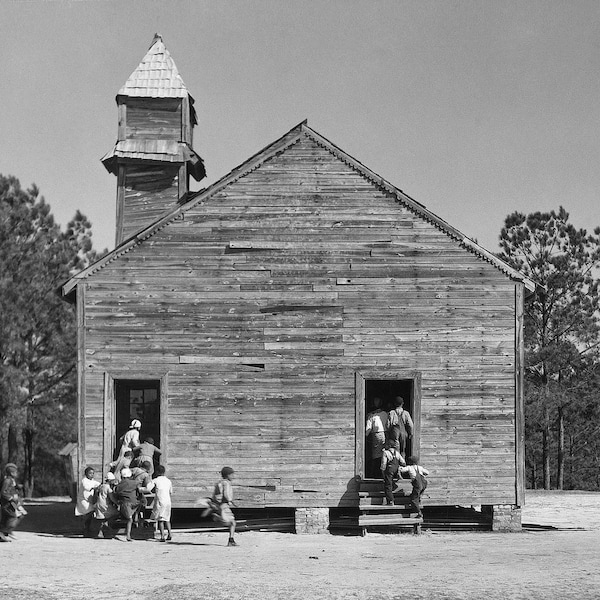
161 510
85 500
391 460
417 476
11 508
223 498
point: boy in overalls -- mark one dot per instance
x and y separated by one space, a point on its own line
391 461
400 425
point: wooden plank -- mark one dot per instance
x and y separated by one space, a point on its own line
396 519
81 381
519 395
109 436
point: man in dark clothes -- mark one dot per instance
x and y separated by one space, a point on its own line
400 425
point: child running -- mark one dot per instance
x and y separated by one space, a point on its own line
161 510
223 499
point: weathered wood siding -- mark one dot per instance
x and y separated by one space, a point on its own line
148 190
153 119
263 302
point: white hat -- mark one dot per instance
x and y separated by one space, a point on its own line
126 472
110 476
135 424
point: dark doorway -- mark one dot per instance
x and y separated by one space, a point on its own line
387 390
138 399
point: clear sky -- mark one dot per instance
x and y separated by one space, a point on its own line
474 108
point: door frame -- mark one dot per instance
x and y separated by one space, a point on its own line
110 412
360 397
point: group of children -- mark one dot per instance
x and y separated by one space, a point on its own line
103 505
123 494
389 432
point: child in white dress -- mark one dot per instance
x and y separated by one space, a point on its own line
161 509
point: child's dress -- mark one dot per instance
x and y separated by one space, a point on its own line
161 509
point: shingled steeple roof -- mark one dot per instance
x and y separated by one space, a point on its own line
156 76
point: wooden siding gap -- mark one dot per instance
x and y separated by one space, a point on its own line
279 308
242 360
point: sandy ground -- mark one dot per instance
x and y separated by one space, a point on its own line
556 556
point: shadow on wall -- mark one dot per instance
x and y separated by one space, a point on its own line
350 497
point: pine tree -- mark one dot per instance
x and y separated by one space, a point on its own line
37 328
562 329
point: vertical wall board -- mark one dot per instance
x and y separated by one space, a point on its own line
519 397
81 382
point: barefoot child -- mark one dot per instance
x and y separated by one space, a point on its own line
419 483
85 500
161 510
222 498
126 495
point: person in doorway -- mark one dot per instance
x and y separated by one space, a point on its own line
126 496
222 500
146 453
400 425
85 500
118 465
391 461
376 428
129 440
417 475
11 506
161 510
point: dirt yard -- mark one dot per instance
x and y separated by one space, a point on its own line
556 556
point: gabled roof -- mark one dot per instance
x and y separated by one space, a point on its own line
287 140
156 76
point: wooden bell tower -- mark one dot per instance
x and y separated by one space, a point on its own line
153 157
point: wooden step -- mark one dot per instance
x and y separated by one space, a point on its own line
366 499
383 508
391 519
377 486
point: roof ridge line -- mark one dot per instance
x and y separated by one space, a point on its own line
254 162
419 209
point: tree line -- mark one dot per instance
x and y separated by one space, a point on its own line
37 334
38 340
562 343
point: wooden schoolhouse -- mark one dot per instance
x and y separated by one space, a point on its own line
252 323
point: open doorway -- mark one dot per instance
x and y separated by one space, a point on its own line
138 399
379 392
